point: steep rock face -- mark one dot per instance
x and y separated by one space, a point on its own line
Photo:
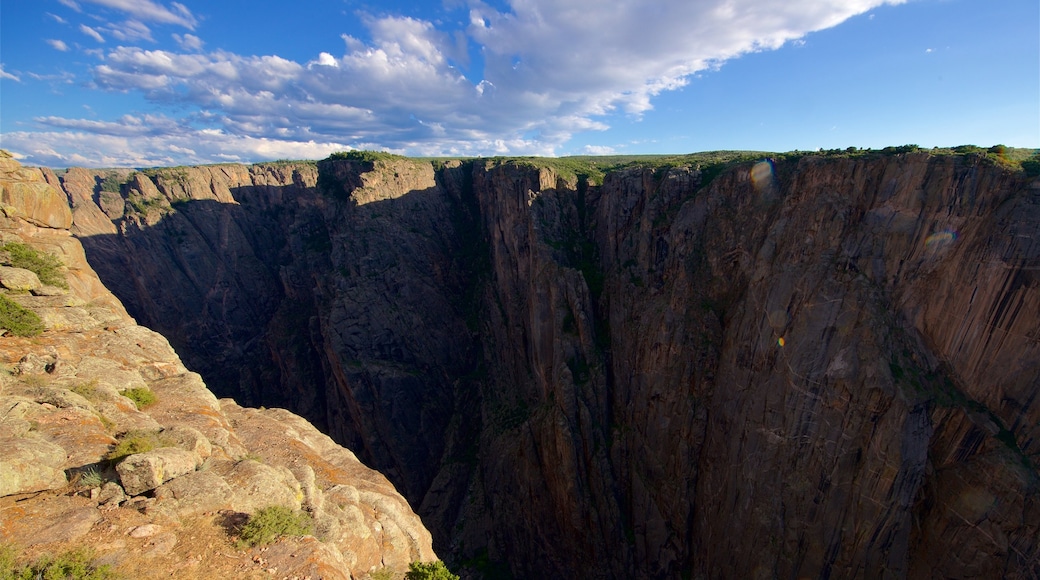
810 368
66 404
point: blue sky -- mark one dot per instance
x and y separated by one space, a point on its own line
141 83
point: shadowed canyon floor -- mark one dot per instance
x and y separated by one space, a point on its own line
813 366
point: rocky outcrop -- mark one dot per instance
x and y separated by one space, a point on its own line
160 484
805 366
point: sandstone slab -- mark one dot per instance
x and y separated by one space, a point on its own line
146 471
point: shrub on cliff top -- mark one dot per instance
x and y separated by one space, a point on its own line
141 396
270 523
44 265
133 442
74 564
18 320
366 156
429 571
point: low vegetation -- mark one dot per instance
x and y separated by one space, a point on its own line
429 571
133 442
270 523
18 320
365 156
141 396
76 564
47 268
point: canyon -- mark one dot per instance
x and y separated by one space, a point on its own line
795 365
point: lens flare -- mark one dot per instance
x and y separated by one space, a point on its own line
941 238
780 341
762 175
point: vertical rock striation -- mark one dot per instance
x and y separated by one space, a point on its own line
816 366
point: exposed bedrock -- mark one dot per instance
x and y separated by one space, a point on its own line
822 367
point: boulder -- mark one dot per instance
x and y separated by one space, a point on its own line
189 439
19 279
31 464
146 471
35 202
195 493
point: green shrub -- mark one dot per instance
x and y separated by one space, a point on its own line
133 442
47 267
141 396
1031 166
74 564
364 156
18 320
429 571
112 183
89 391
270 523
91 477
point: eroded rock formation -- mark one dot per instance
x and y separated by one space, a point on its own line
67 402
820 367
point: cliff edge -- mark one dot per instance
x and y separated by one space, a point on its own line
110 443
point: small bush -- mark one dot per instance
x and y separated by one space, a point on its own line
47 267
429 571
112 183
1031 167
18 320
270 523
90 478
364 156
133 442
89 391
74 564
141 396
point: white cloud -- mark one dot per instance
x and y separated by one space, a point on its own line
188 42
57 18
551 68
91 33
325 59
150 11
71 4
57 44
83 146
598 150
6 75
130 31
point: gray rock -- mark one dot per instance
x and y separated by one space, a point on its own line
111 493
31 464
69 526
19 279
189 439
195 493
146 471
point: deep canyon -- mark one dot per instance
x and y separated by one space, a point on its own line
809 366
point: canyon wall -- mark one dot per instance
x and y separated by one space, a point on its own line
87 381
811 366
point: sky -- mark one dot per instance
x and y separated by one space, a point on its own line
144 83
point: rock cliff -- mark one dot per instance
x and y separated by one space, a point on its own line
806 366
110 442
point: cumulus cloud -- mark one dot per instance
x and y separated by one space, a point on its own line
91 33
550 68
84 146
58 44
